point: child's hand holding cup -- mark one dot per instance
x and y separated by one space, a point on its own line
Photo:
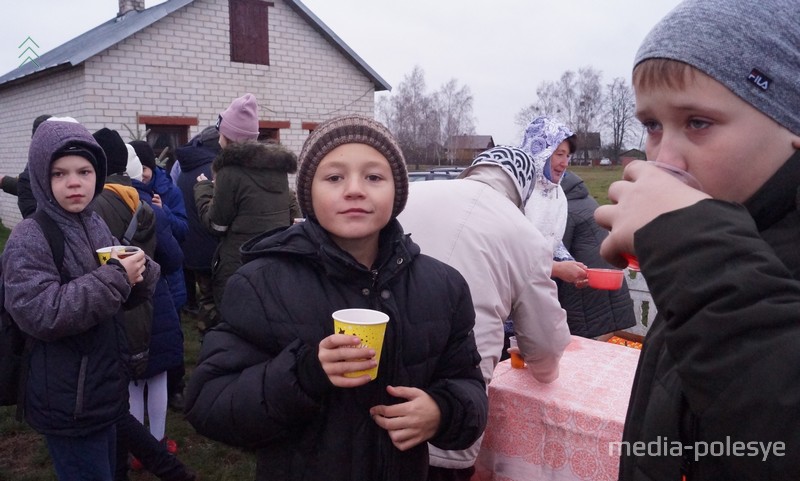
350 357
131 258
640 197
680 174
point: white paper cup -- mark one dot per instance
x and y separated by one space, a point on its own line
104 253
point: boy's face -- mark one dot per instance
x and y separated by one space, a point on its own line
72 179
352 194
559 162
147 174
703 128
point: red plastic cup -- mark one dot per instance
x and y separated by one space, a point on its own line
633 262
604 279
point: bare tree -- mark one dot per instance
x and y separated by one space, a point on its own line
407 115
576 99
454 108
423 123
621 114
383 110
548 102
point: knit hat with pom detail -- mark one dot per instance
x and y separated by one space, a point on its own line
350 129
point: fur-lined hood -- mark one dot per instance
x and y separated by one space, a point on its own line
255 155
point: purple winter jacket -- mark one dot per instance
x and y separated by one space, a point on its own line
76 382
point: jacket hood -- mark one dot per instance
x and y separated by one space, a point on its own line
53 136
195 154
574 186
256 156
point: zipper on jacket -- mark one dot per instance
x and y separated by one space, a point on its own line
88 237
376 302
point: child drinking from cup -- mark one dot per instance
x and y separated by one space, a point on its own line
273 375
716 85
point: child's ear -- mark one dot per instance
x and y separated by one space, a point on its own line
796 142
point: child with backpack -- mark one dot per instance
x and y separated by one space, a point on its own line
76 388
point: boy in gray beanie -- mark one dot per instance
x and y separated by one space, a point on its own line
717 90
294 382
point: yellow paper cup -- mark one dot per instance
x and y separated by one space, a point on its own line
104 253
367 325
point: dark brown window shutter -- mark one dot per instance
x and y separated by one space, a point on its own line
249 31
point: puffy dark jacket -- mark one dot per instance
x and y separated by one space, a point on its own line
722 359
195 158
75 384
590 312
250 195
166 337
259 382
171 202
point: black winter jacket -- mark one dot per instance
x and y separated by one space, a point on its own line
721 362
259 382
590 312
195 158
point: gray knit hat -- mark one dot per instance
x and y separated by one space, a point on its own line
752 47
350 129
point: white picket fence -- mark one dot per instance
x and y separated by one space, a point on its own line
643 306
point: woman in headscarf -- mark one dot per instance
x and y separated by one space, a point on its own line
551 144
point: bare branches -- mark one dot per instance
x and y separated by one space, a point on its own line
424 122
580 100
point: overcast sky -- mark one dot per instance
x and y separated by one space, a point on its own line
501 49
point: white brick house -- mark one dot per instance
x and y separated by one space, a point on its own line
169 68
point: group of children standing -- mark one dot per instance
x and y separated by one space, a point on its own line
137 204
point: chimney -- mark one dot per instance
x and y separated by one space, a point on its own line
126 6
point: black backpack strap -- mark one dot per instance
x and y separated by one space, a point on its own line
54 237
127 237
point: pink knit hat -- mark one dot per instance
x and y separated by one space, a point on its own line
240 120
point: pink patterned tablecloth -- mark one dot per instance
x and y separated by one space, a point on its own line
559 431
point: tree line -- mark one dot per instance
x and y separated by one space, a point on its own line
423 122
585 105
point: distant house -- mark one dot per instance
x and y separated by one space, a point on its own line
633 154
170 69
462 149
587 148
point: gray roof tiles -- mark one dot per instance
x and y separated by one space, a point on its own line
79 49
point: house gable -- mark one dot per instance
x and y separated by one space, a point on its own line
179 67
108 34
